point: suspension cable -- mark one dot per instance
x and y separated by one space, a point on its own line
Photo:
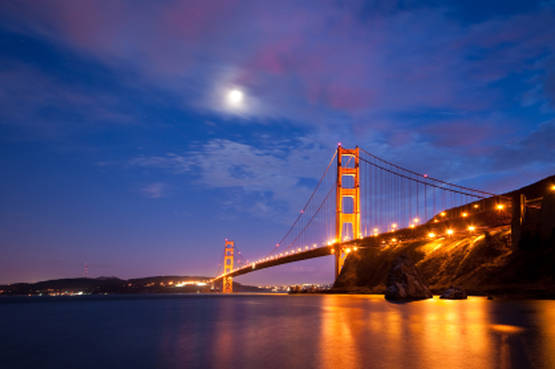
426 176
308 201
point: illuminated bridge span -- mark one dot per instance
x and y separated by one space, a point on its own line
364 197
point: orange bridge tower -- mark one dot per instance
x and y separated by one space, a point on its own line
348 212
227 282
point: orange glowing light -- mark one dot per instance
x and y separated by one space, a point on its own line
464 214
443 213
450 232
471 228
416 220
500 207
475 206
505 328
355 248
332 251
348 250
552 187
393 240
411 226
431 235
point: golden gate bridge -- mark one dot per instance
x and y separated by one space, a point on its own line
366 196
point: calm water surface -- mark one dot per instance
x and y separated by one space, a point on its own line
274 331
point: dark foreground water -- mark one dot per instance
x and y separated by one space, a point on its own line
269 331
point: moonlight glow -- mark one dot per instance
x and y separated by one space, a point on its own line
235 97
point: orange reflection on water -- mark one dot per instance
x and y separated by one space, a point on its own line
424 334
337 343
365 331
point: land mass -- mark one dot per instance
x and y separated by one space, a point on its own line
114 285
496 246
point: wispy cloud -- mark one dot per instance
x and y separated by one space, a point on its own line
337 64
154 190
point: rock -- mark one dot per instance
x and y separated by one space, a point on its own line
404 283
453 293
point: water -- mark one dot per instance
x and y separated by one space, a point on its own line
274 331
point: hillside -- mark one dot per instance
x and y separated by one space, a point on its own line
113 285
484 260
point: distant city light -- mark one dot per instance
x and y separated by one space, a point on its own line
443 213
431 235
450 232
500 207
464 214
471 228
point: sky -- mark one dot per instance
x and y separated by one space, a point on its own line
120 148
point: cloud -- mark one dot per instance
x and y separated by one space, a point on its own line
265 180
537 147
337 64
33 99
154 190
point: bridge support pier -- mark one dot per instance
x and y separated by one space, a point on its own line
345 169
227 282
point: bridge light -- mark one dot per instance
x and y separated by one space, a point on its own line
348 250
471 228
431 235
450 232
332 251
464 214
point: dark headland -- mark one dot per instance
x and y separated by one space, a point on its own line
498 246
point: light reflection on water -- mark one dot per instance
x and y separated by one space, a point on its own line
268 331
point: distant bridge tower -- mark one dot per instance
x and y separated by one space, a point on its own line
347 166
227 283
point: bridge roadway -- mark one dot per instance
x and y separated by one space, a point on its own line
294 255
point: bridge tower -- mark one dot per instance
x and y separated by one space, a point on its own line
347 166
227 282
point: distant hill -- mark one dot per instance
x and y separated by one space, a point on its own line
114 285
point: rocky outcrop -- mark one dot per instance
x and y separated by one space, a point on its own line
404 283
453 293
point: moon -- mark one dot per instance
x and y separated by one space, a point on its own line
235 97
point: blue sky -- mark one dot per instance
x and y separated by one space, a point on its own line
119 149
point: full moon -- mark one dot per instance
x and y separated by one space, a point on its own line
235 97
